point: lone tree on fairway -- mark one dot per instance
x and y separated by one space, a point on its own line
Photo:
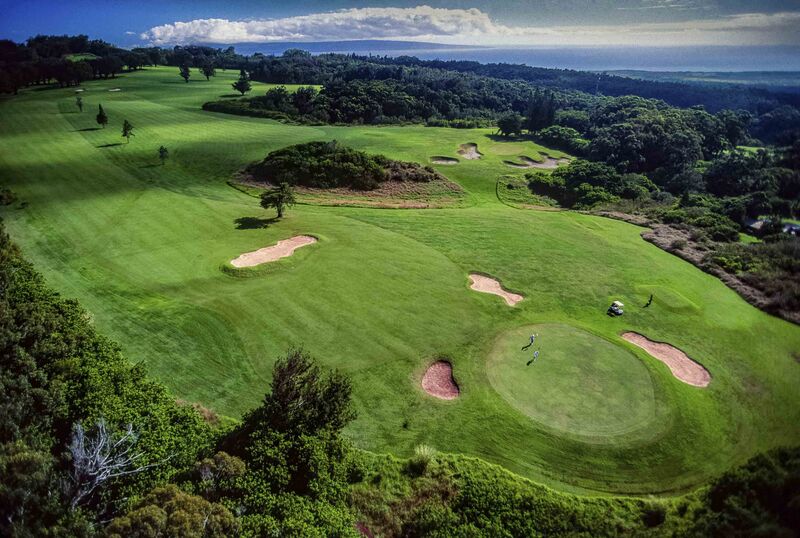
101 118
243 84
127 130
185 73
79 103
208 70
510 124
279 198
163 154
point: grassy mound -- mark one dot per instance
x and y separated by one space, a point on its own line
580 384
329 165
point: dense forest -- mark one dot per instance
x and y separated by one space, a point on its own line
89 446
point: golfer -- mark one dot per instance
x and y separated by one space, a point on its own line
533 339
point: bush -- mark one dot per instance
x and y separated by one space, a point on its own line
7 197
546 184
678 244
331 165
565 138
423 456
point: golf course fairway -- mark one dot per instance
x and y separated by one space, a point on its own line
146 248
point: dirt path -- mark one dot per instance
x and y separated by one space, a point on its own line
485 284
281 249
680 364
470 151
438 381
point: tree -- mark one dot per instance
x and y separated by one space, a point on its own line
735 125
79 103
168 511
541 111
279 198
758 499
292 442
510 124
185 73
99 456
127 130
243 84
208 70
163 154
101 118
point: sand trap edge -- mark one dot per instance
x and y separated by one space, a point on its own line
272 253
469 150
682 366
444 160
438 381
510 297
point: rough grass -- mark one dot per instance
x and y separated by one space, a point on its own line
141 246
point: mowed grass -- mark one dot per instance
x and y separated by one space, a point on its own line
574 382
384 292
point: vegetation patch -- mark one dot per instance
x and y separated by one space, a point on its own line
514 191
327 165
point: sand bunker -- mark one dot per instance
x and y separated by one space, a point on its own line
470 151
549 163
438 381
441 159
115 90
678 362
485 284
281 249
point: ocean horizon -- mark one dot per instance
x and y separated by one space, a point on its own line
699 59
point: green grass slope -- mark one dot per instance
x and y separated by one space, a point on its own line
385 292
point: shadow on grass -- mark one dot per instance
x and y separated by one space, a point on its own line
253 223
87 129
155 165
231 95
110 145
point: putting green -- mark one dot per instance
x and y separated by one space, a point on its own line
581 384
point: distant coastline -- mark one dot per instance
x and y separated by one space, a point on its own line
666 59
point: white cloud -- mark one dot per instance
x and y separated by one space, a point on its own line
472 26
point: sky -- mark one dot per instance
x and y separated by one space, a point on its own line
480 22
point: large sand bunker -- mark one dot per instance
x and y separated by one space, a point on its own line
441 159
470 151
438 381
485 284
549 163
679 363
281 249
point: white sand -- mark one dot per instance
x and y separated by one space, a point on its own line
281 249
485 284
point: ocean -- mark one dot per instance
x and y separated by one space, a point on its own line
707 58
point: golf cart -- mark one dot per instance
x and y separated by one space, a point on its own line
616 309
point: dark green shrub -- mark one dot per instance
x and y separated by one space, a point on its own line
330 165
